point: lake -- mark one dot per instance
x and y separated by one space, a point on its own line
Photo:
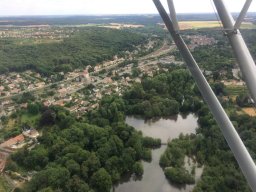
166 129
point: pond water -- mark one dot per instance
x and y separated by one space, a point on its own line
153 179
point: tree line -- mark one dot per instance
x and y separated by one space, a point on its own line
207 147
88 154
88 47
94 152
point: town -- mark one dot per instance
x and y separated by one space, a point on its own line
82 89
105 78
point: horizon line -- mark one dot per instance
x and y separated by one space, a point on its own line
114 14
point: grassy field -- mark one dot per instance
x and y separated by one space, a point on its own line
248 26
25 118
29 119
9 126
184 25
198 24
4 186
236 90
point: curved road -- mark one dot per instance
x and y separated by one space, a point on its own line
161 51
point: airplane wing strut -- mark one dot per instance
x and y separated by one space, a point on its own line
235 143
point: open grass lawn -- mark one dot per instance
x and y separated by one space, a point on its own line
29 119
4 186
236 90
10 124
15 124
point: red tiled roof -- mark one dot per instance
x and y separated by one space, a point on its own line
13 141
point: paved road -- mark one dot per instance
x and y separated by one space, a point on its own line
161 51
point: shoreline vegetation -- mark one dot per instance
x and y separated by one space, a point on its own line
92 152
92 136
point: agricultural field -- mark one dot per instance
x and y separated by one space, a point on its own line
248 25
236 90
186 25
123 54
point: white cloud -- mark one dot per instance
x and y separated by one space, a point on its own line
58 7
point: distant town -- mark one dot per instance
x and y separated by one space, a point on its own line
80 90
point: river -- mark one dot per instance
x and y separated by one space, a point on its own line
153 179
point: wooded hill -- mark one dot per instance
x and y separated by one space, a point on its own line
88 47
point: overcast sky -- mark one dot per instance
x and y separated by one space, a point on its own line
89 7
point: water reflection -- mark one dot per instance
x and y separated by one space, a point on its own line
153 179
165 128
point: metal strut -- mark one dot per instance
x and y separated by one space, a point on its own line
173 15
242 14
238 148
241 51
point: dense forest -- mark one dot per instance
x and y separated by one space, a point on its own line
208 146
250 38
92 153
164 95
78 155
87 47
93 45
